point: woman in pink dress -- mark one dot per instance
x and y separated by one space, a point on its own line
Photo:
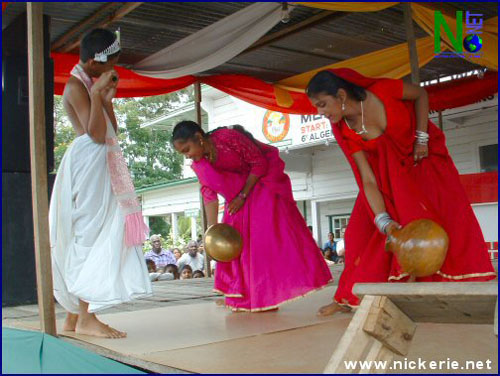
280 260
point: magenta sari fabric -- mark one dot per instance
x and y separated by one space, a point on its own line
280 260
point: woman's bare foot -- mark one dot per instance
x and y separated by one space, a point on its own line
91 326
332 308
70 322
221 302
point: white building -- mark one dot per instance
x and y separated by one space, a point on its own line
323 183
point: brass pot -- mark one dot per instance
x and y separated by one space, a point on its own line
223 242
420 247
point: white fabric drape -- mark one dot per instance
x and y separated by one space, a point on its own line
213 45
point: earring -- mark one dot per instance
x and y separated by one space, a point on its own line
343 106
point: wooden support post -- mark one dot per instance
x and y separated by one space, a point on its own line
355 340
197 104
412 44
378 329
390 326
440 113
39 168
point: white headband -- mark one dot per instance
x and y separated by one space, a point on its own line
102 56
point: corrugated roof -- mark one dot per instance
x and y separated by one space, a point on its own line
155 25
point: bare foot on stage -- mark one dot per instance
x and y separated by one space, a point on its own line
220 302
70 322
332 308
91 326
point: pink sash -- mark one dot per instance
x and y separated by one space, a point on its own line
121 182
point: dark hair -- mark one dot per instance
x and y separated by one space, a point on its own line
198 272
96 41
172 266
186 130
329 83
149 262
186 267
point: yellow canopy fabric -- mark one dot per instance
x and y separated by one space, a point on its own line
392 62
424 17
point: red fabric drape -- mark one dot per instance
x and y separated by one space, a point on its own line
4 5
257 92
253 90
462 92
131 84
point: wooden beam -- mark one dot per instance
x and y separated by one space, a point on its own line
197 104
355 341
317 19
390 326
412 44
117 15
63 39
39 168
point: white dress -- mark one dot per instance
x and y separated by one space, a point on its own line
90 260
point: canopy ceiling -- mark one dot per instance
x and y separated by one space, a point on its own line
311 39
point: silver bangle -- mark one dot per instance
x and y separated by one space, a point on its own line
382 220
422 137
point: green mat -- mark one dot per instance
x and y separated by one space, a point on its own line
34 352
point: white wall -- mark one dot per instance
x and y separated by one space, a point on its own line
168 200
487 216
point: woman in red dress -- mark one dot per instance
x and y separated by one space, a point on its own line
404 172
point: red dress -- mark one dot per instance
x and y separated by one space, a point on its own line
431 189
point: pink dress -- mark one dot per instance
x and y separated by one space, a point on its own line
280 260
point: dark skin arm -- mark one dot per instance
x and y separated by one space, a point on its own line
372 193
419 95
211 211
238 201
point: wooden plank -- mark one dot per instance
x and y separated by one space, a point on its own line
460 302
427 288
390 326
119 14
355 340
61 41
39 168
412 44
378 353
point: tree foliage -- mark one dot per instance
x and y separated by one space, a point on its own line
148 152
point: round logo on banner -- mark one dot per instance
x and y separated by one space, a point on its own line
275 126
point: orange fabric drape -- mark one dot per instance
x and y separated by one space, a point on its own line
424 17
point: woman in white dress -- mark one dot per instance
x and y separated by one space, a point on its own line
96 225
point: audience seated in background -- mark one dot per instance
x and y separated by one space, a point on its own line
198 274
191 257
153 273
186 272
173 269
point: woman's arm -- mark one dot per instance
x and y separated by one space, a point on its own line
370 187
239 200
419 95
212 211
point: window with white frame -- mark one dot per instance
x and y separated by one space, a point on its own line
337 222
